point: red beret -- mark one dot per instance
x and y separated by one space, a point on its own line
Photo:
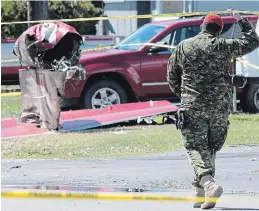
213 18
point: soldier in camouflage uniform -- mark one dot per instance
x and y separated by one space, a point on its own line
198 73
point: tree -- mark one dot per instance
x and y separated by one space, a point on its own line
98 4
37 10
13 11
17 11
76 9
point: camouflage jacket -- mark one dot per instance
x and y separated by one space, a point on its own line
198 69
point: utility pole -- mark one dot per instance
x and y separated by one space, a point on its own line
37 10
143 8
28 12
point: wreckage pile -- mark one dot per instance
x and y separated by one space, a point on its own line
51 52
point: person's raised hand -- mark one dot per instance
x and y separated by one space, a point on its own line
235 14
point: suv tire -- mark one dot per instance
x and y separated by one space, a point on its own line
251 103
115 94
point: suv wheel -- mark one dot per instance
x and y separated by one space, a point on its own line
104 93
252 100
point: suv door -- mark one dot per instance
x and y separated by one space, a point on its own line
154 65
153 69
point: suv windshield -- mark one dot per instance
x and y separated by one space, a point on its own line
143 35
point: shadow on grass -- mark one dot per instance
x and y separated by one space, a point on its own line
128 126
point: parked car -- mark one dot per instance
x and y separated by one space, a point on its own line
129 73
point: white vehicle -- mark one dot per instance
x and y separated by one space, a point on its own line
248 66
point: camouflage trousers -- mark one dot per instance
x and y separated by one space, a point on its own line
203 136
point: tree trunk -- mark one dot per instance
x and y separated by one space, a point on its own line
37 10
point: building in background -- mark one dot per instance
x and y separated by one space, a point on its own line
124 8
131 7
212 5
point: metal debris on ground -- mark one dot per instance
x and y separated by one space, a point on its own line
146 120
119 131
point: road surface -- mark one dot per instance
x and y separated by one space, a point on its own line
169 173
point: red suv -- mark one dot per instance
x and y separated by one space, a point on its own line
130 72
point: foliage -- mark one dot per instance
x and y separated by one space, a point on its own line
17 11
13 11
76 9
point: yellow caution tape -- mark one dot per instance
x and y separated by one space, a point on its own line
98 196
248 63
149 44
130 16
124 17
173 47
10 60
87 50
99 49
10 94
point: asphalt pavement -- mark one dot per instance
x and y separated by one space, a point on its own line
237 170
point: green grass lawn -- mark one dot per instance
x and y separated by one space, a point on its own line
10 106
138 140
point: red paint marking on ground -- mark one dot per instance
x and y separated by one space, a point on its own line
129 107
91 118
86 119
11 128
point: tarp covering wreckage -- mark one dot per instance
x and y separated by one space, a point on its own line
90 118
